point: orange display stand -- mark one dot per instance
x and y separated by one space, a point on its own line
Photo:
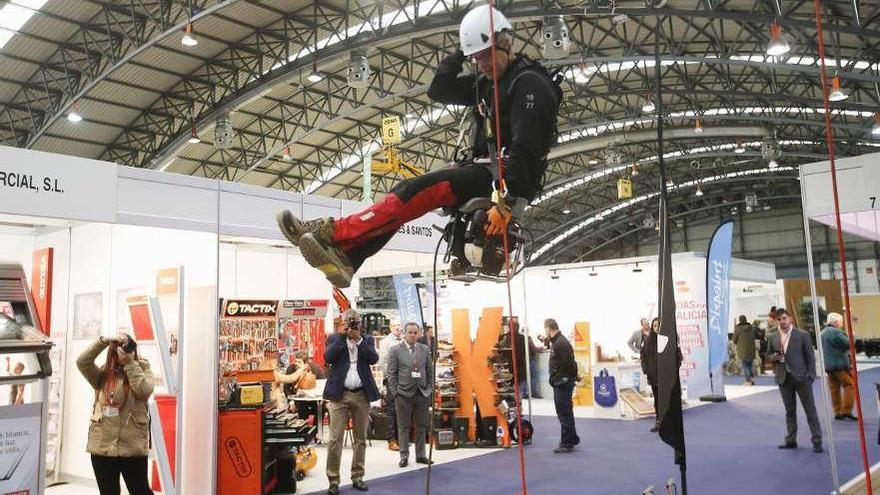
474 371
239 452
167 406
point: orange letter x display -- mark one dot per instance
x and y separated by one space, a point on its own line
474 371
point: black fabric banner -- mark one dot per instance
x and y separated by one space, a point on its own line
668 357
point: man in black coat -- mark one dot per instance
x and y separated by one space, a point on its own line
563 376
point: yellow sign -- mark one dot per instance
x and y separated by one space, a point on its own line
624 189
583 393
251 394
391 130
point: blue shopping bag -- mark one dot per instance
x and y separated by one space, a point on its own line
604 389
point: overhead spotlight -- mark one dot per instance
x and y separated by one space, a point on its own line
876 129
637 269
554 275
188 39
698 126
555 38
566 211
648 222
593 272
748 209
739 149
74 116
193 137
634 170
778 44
315 76
648 107
594 160
286 155
669 183
358 71
772 164
837 94
699 191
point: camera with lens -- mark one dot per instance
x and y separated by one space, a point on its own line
129 345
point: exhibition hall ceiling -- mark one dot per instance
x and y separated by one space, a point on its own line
145 84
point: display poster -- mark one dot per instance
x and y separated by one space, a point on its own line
41 288
690 318
583 392
408 302
301 328
718 294
58 186
87 315
20 449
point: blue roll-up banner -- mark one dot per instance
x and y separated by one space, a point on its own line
408 302
718 294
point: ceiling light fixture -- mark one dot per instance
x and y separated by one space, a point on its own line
772 164
566 211
593 272
554 275
837 94
188 39
194 137
286 155
635 170
594 160
739 149
648 107
315 76
74 115
699 191
698 126
778 44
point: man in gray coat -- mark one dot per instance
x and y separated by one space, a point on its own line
794 363
411 381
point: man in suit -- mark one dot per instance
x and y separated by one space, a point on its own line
791 352
349 390
410 380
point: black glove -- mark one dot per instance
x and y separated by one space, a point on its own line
453 63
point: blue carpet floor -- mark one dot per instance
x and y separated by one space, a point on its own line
731 449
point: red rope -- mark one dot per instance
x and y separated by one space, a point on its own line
829 138
502 190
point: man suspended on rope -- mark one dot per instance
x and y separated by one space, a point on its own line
529 100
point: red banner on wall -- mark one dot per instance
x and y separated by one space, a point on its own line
41 287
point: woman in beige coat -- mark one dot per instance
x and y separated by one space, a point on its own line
119 432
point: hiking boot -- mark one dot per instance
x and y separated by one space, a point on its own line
293 228
320 252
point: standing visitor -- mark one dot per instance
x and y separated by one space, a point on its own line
119 431
744 338
563 375
835 347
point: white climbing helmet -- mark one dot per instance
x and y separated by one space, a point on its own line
474 32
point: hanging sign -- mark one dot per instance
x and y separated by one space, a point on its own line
624 189
391 130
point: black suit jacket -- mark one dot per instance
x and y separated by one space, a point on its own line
800 360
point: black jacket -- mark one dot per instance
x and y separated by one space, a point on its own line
529 101
562 363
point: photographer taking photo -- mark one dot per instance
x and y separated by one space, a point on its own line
119 432
349 390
